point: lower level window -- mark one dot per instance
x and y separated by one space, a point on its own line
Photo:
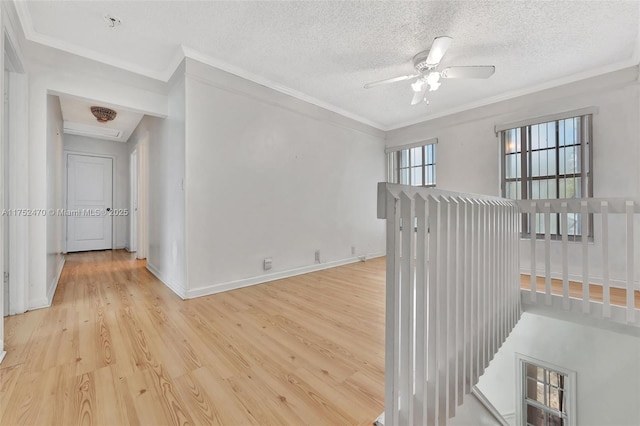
546 394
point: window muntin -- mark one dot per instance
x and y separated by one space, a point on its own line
413 166
545 396
545 161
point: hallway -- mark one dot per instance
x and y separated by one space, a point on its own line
118 347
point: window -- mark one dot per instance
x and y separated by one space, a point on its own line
413 166
547 394
549 160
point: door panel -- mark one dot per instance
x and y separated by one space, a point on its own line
89 195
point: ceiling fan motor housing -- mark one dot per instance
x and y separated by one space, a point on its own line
420 62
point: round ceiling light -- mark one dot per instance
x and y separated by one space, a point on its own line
103 114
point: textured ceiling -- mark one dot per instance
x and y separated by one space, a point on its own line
325 51
78 112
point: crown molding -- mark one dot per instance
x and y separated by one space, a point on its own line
165 75
32 35
231 69
632 62
186 52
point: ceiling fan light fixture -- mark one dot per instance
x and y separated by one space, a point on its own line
103 114
433 80
417 85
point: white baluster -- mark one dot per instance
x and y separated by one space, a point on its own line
606 292
547 252
564 226
422 308
631 312
586 306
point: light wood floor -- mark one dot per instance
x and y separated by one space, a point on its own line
617 296
117 347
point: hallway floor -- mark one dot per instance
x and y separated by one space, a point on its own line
117 347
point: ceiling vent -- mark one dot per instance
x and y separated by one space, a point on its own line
99 132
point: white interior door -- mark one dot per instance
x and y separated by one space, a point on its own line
89 202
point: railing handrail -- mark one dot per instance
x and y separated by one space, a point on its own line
395 190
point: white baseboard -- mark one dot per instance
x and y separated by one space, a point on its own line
2 352
246 282
510 418
489 406
53 285
577 278
41 303
176 288
45 302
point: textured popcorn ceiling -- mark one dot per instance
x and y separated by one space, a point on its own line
326 51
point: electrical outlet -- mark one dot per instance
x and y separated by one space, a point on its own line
353 249
267 263
317 256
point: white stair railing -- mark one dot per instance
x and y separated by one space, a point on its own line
452 296
607 258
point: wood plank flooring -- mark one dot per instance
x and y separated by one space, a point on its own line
119 348
617 296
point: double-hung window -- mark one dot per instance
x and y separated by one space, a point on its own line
547 160
414 165
546 393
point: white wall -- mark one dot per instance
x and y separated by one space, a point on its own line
268 175
54 169
607 364
119 150
468 151
166 222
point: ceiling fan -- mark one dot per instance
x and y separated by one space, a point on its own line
428 78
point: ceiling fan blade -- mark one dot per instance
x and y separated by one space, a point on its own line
390 80
483 71
419 96
438 49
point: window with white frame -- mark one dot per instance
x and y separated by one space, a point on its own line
414 166
546 160
546 394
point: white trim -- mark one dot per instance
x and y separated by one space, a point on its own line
10 26
186 52
232 69
38 304
53 285
246 282
2 353
133 201
32 35
18 193
510 418
615 283
65 187
546 118
340 119
176 288
424 142
165 74
570 387
520 92
489 406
